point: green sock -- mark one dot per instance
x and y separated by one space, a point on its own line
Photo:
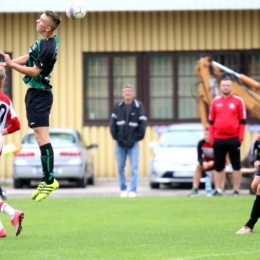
49 177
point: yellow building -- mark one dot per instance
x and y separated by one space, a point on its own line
151 44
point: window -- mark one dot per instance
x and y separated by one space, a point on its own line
105 76
253 72
97 88
7 89
160 85
254 66
56 138
187 104
230 61
165 82
124 72
170 95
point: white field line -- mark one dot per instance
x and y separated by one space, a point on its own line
216 255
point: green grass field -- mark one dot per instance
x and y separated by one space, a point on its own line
143 228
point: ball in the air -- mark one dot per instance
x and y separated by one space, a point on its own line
76 9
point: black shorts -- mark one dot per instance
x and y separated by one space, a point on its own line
38 107
221 148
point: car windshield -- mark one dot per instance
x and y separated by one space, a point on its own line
181 138
56 138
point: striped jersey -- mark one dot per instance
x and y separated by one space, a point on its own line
7 116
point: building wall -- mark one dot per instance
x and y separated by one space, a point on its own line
116 32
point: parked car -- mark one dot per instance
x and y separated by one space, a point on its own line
73 160
175 154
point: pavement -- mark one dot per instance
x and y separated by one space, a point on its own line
106 187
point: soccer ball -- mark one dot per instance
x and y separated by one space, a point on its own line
76 9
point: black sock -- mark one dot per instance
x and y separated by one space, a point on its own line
255 213
47 160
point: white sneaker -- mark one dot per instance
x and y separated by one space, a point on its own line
245 230
123 194
132 194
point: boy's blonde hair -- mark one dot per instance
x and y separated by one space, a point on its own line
2 73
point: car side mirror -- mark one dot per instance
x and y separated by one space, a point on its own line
92 146
152 144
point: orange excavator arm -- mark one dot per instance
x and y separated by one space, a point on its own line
208 72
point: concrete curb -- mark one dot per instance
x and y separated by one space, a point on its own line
105 187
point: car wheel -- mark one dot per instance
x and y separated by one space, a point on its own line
18 183
155 185
91 180
81 183
26 182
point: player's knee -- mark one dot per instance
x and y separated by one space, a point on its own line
236 165
199 167
219 168
253 187
256 163
257 189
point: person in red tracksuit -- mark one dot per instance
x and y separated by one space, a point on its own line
227 119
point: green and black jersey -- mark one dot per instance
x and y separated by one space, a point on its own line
43 53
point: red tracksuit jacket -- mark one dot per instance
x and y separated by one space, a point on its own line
227 118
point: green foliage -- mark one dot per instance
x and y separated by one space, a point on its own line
142 228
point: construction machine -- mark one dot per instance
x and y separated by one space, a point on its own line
209 71
243 86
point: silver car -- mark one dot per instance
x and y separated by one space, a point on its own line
72 159
175 155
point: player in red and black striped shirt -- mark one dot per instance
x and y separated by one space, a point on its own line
205 162
9 117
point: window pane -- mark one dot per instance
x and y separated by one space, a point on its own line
254 66
186 65
161 66
186 86
161 108
124 66
124 72
188 108
97 111
161 87
230 61
254 73
97 66
187 104
96 90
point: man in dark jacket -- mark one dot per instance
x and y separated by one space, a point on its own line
127 127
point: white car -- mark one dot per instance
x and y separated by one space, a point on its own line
175 154
73 160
